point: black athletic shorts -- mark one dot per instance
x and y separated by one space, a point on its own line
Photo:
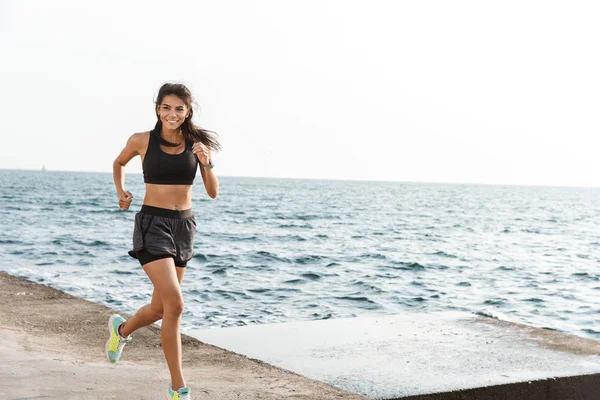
163 233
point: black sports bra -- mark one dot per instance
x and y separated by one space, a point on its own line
168 169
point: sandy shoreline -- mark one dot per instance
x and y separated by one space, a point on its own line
54 349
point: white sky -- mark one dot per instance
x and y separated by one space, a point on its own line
435 91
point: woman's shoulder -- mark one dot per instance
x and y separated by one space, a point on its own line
139 141
140 137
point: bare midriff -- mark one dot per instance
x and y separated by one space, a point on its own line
172 197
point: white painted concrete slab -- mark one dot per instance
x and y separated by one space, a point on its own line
387 357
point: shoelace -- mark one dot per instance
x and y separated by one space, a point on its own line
122 343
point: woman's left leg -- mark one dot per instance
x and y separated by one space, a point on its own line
163 275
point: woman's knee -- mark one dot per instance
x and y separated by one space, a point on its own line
173 306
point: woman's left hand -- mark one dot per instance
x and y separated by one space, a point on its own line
202 152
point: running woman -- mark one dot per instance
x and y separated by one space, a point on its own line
164 229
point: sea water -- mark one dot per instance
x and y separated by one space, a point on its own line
276 250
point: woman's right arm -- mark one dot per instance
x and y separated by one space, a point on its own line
132 149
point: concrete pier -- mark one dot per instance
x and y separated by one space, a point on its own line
53 348
403 356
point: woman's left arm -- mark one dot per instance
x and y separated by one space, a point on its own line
211 182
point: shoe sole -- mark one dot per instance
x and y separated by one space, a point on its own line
167 397
110 321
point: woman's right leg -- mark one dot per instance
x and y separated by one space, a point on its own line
148 314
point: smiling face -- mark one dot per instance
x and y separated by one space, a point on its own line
172 111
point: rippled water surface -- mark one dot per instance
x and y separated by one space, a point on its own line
275 250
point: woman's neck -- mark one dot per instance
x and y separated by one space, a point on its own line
172 135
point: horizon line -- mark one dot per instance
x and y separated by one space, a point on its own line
339 179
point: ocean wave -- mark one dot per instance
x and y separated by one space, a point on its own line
260 267
367 285
373 256
311 275
309 259
494 302
122 272
586 275
266 255
289 238
200 257
10 241
505 268
359 299
591 331
319 316
534 300
294 281
406 266
444 254
92 243
301 226
307 217
492 313
242 238
259 290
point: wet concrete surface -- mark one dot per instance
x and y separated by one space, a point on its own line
400 356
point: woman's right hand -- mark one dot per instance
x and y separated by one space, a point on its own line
125 199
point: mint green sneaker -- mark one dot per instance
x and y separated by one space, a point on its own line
115 343
182 394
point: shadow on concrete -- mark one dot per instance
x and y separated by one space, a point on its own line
582 387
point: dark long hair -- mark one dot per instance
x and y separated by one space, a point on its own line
191 132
